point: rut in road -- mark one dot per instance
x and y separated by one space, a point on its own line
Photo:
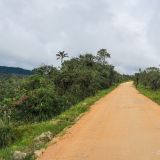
123 125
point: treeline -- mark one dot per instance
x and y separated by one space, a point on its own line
149 78
49 90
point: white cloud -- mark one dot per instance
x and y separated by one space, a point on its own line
32 31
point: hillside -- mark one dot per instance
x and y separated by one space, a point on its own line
14 70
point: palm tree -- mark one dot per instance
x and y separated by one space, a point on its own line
61 55
102 55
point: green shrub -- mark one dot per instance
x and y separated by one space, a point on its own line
8 134
149 78
76 86
42 104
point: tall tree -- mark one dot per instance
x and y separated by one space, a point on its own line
102 55
61 55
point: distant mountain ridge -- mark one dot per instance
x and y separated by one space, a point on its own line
14 70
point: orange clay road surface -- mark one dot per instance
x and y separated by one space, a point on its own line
124 125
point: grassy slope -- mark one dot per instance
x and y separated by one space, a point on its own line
57 125
154 95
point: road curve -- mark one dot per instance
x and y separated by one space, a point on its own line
123 125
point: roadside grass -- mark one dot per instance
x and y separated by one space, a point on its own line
56 126
154 95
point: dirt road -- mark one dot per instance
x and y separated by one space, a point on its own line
124 125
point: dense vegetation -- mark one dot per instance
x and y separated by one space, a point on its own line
148 83
149 78
50 91
14 70
25 142
154 95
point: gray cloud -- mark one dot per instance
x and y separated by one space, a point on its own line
32 31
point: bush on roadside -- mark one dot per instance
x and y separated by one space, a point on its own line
8 134
42 104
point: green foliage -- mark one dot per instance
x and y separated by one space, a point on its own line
75 86
30 102
82 77
149 78
102 55
8 134
148 83
154 95
50 91
40 104
9 86
56 125
47 71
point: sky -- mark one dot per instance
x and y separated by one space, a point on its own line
33 31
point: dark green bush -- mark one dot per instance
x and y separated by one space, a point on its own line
39 105
149 78
76 86
8 134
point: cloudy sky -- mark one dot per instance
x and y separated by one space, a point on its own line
33 31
